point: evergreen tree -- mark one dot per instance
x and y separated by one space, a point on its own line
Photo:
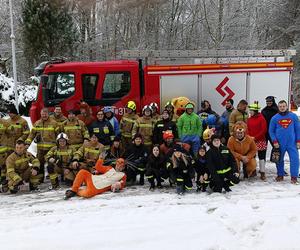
48 29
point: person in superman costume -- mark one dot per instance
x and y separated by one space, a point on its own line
284 131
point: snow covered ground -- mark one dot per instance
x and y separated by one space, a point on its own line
256 215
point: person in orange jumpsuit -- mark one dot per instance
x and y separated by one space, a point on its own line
103 178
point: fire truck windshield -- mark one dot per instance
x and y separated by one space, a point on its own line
60 85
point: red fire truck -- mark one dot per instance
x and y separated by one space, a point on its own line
199 75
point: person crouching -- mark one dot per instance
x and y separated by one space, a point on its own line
103 178
222 166
181 171
200 165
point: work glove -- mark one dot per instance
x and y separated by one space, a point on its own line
276 145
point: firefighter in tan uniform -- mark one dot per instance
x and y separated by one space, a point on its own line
3 153
17 129
170 107
44 132
58 161
22 168
76 130
58 116
127 123
155 115
87 155
144 125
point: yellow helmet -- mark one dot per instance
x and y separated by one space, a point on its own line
207 134
131 105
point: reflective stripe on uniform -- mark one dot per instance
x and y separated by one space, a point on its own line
128 120
64 152
145 125
15 126
150 177
179 179
188 188
45 145
43 129
3 150
94 151
72 128
223 171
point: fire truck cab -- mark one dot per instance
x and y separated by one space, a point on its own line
199 75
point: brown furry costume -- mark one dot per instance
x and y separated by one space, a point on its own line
245 147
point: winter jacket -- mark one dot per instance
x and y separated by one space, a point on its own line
220 161
155 163
115 124
17 129
59 119
257 127
17 164
44 133
285 129
63 157
76 132
235 116
162 126
3 140
126 124
144 125
103 130
189 125
269 112
200 165
138 155
89 153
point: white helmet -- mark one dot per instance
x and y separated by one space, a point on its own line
62 136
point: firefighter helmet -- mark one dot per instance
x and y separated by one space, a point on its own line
169 104
154 105
62 136
255 106
147 107
131 105
207 134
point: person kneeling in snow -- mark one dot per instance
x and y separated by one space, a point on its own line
104 178
222 166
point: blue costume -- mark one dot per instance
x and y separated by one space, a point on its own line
285 130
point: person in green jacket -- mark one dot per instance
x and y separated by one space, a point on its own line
190 127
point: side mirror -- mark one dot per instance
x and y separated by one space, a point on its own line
44 81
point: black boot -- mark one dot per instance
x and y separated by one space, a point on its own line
69 194
159 183
4 187
142 181
179 189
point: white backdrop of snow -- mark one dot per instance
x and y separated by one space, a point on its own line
26 93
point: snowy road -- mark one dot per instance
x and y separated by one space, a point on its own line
256 215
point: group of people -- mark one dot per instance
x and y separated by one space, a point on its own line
105 154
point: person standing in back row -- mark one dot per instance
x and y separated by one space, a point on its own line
190 127
284 131
268 112
239 114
